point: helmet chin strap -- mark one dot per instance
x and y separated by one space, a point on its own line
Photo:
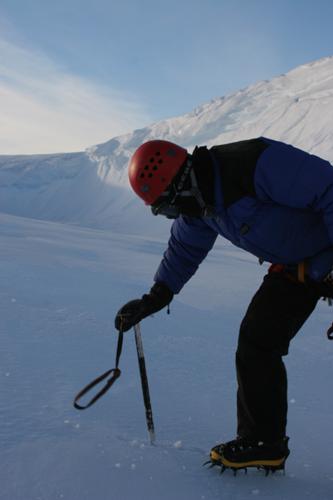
193 191
172 208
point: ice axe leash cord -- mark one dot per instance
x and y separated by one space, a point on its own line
114 374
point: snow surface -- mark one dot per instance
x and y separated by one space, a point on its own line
75 245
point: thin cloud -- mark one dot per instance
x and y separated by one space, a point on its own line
45 109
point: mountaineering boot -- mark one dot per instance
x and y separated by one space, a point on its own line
241 453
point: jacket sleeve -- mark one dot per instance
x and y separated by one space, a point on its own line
190 241
289 176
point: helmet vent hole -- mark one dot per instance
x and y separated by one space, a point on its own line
142 176
160 161
146 167
151 160
158 153
155 167
150 175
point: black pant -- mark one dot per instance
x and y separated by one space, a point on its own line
275 315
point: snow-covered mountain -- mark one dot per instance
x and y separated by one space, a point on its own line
91 188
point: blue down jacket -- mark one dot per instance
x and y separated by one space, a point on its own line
289 220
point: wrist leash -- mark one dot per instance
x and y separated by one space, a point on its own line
115 374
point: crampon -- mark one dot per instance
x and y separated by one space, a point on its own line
241 454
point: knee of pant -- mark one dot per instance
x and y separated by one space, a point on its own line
246 349
249 340
266 350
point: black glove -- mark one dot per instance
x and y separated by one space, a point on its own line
323 288
135 310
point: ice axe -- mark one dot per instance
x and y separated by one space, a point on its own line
144 383
114 374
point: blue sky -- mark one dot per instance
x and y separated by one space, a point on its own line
74 73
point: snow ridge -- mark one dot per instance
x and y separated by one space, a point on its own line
90 188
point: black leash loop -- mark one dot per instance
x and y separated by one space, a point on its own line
115 374
329 332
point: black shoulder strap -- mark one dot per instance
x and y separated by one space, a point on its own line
238 162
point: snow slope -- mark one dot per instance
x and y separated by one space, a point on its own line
61 284
91 188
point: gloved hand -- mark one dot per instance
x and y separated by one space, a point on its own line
323 288
320 265
135 310
327 286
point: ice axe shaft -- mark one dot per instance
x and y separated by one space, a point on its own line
144 383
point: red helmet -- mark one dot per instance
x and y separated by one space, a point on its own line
152 168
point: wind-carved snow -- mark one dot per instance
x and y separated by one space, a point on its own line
61 286
91 188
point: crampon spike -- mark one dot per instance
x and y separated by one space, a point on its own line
272 469
265 468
